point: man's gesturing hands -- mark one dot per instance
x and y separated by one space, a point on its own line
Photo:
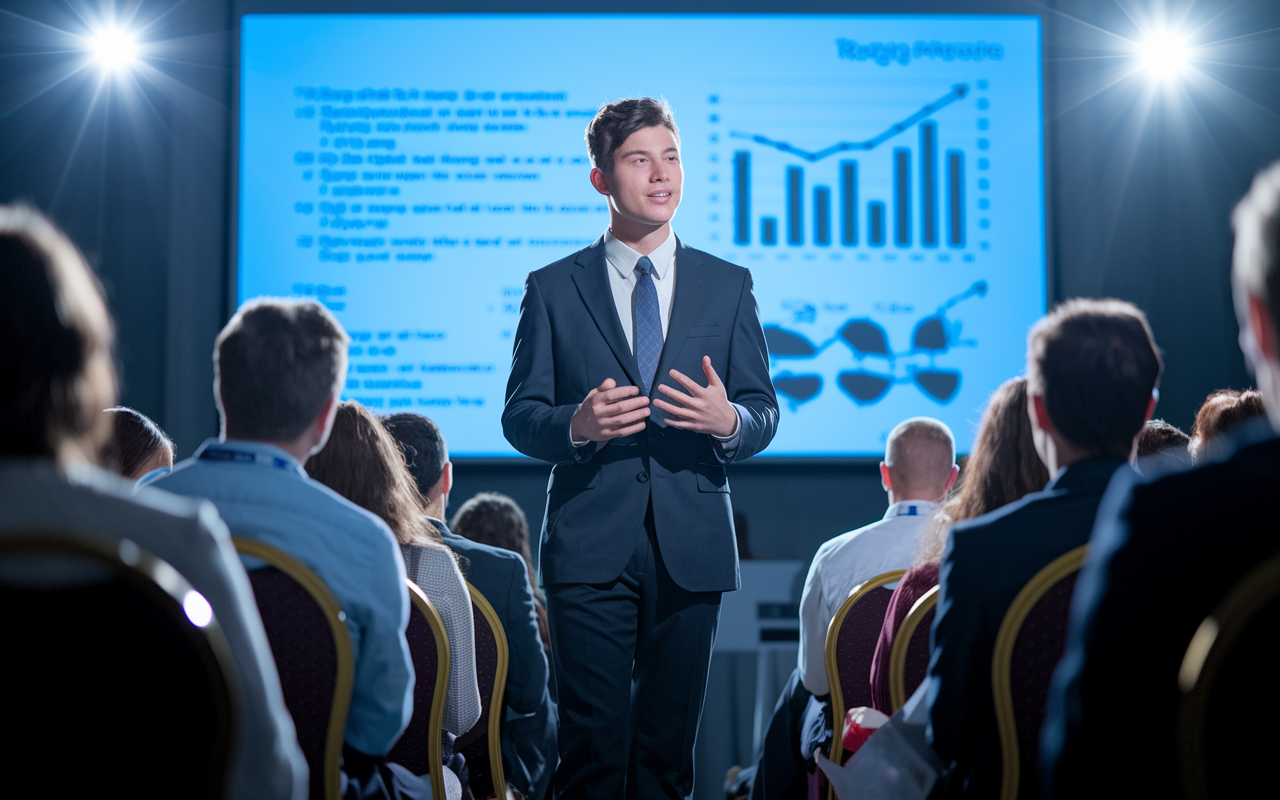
607 412
702 410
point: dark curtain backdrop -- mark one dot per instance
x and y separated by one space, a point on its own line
1140 186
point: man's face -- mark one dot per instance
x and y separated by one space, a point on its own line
647 176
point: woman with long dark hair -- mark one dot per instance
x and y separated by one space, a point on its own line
1002 467
362 463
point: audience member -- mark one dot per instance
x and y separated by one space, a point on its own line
1163 448
1002 467
1223 410
279 366
917 471
1092 368
504 578
58 376
362 463
138 449
496 520
1112 710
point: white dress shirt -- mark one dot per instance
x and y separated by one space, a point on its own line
622 280
846 561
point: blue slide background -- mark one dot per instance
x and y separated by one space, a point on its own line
408 171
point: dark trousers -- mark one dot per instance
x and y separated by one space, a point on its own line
797 727
631 661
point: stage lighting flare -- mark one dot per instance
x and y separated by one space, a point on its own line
1164 55
114 49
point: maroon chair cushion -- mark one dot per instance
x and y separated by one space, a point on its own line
856 646
306 658
917 662
474 744
1036 652
411 750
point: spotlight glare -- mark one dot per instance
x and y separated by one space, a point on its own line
114 48
1164 55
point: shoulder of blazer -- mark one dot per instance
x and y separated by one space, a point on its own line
565 267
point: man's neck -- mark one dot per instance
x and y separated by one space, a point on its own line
911 497
435 508
644 239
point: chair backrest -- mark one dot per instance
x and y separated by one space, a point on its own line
851 646
1028 648
420 748
909 658
1229 693
482 745
118 672
307 631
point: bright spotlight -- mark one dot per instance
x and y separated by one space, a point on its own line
1164 55
114 49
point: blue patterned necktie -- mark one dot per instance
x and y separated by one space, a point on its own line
648 323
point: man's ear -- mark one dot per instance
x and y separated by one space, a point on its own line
1264 332
599 182
446 479
1040 413
951 481
885 480
1151 405
325 418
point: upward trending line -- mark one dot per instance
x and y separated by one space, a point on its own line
957 92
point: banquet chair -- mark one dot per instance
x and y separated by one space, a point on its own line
1228 693
119 677
851 644
420 748
307 631
482 745
909 658
1028 647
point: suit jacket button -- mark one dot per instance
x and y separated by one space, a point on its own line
642 477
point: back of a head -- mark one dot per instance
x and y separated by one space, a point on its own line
920 453
493 519
422 445
1255 261
1158 436
1222 411
362 463
135 444
1096 365
56 362
276 364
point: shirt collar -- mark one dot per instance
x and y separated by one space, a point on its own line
623 259
910 508
258 453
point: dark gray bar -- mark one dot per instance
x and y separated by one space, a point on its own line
741 197
955 198
875 223
821 215
929 184
902 197
848 203
795 205
768 230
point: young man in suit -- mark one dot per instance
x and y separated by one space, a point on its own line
1164 554
637 540
1092 370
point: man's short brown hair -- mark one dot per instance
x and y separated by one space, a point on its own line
614 122
1095 363
276 363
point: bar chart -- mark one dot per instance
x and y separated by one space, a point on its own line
922 205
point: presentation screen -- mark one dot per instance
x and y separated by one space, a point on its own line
880 176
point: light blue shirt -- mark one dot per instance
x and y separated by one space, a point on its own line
262 493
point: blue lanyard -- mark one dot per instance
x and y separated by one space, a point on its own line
239 457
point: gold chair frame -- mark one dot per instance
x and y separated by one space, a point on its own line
902 642
435 733
1002 660
833 677
1215 637
344 680
494 733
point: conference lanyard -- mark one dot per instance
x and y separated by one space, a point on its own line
241 457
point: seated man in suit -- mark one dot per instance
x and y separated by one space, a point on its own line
1132 616
58 378
529 729
918 470
1092 370
279 368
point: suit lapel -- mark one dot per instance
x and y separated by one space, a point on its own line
686 308
593 284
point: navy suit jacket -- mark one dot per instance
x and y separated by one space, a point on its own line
529 726
569 340
987 562
1163 555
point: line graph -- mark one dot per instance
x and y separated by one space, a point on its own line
958 92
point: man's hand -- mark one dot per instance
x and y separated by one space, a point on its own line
609 411
702 410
